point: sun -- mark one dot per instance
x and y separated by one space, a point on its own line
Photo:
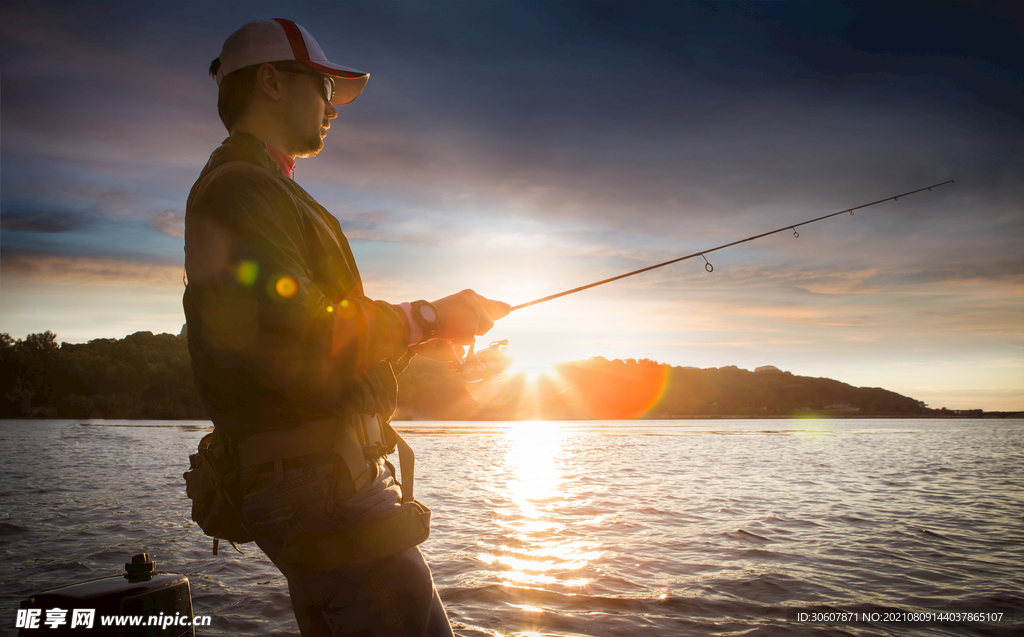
533 370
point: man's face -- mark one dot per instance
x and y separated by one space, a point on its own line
309 113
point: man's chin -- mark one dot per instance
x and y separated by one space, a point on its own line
312 148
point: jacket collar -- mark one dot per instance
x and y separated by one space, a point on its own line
243 147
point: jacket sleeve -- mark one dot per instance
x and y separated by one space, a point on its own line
264 307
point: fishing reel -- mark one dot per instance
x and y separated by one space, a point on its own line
488 364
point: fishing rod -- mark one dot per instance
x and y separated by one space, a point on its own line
708 266
490 363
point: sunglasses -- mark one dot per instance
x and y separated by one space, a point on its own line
328 86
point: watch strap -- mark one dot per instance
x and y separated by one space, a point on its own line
429 326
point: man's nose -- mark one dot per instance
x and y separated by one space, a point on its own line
330 111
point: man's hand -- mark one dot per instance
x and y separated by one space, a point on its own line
461 318
466 315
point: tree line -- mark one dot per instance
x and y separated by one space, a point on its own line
147 376
142 376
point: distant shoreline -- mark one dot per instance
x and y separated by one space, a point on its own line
999 415
149 377
809 415
794 416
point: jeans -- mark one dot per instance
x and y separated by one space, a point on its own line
392 597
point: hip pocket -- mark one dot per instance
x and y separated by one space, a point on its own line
274 526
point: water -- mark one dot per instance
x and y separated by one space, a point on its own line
582 528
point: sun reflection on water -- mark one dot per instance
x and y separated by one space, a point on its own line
538 546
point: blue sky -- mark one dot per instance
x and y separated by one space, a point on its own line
522 148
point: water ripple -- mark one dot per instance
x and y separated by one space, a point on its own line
665 528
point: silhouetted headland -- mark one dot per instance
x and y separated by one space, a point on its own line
147 376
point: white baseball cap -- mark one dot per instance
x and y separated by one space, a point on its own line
279 40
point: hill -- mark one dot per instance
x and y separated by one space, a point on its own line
598 388
147 376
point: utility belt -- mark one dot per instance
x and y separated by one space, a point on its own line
354 443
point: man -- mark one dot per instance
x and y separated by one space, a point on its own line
295 364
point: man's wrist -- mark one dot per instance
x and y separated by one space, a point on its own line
415 331
423 320
426 317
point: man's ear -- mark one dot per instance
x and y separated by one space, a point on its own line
269 83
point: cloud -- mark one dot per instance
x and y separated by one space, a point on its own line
43 220
170 223
136 103
980 270
88 269
116 197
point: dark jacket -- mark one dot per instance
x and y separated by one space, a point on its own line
279 329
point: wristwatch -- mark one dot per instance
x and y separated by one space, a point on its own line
425 315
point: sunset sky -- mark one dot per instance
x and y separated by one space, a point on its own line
523 148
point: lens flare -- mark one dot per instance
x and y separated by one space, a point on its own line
247 272
346 309
286 287
617 390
